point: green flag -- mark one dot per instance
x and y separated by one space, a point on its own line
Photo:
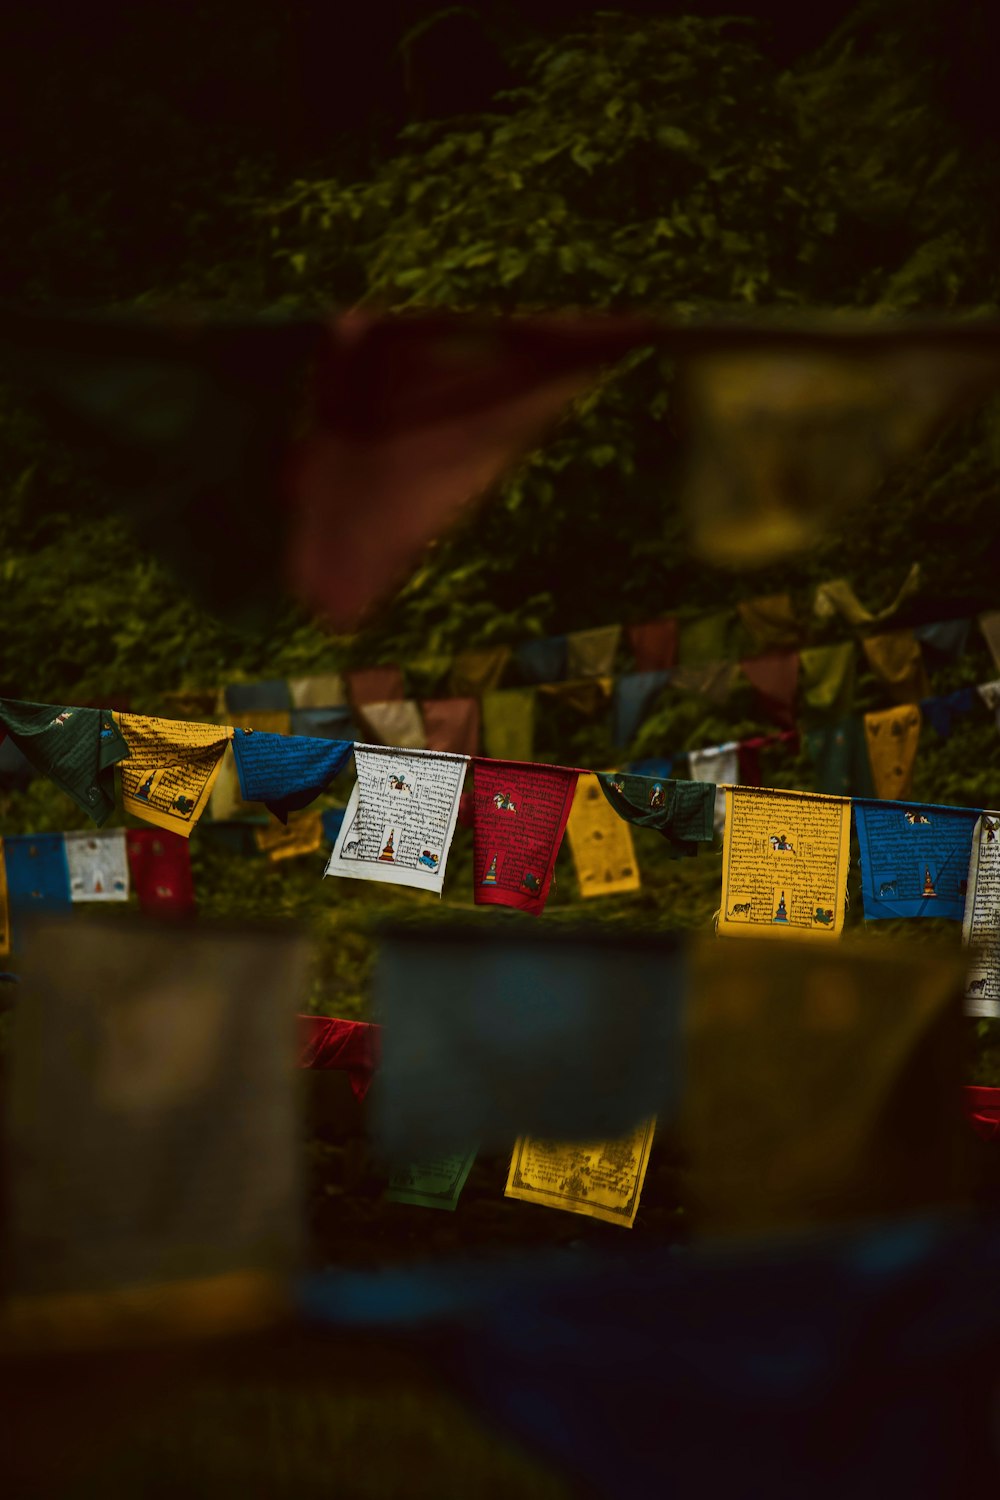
77 748
682 811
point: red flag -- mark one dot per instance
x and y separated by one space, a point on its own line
353 1046
160 863
775 678
375 685
654 646
520 818
451 724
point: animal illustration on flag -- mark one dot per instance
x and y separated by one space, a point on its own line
504 802
741 909
887 888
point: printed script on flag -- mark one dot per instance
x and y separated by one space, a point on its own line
784 863
171 769
520 817
981 923
602 1181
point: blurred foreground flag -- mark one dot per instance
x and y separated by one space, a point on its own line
491 1034
822 1083
152 1129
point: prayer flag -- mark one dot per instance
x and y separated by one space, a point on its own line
981 919
77 748
286 772
714 682
433 1183
654 645
634 693
587 696
681 811
301 834
770 620
600 843
774 679
509 723
591 653
273 696
896 660
374 685
171 769
989 624
37 876
322 690
98 866
914 858
401 818
476 672
166 1147
602 1181
335 723
542 661
520 816
508 1029
652 765
785 857
837 596
451 724
839 754
354 1046
703 641
947 638
892 737
397 723
942 712
750 752
828 679
160 862
333 819
719 764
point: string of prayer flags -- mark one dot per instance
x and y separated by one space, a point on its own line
837 596
434 1183
942 712
356 1046
542 661
989 624
160 863
682 812
301 834
5 934
171 769
321 690
508 718
914 858
77 748
600 843
508 1029
945 638
896 661
770 620
400 819
37 875
374 685
720 765
451 724
273 696
785 859
703 640
520 817
602 1181
715 682
397 722
98 865
775 680
981 919
286 772
839 754
634 693
654 645
892 737
592 653
828 679
478 671
335 723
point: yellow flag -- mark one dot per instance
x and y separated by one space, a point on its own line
600 843
591 653
303 834
892 737
812 1073
837 596
602 1181
896 660
4 905
771 620
784 864
324 690
171 769
476 672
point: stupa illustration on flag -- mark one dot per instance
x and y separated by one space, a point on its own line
490 878
928 882
388 852
781 915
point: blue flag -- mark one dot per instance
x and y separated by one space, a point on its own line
325 723
286 771
943 711
634 692
272 695
37 874
542 661
914 858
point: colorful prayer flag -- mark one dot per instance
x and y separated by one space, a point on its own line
77 748
892 737
770 620
720 765
509 723
839 753
914 858
401 817
785 858
98 865
286 772
592 653
335 723
600 843
328 1043
774 678
160 862
981 919
436 1182
542 661
301 834
828 680
321 690
634 694
374 685
451 724
704 641
520 816
171 769
272 696
396 723
37 876
601 1181
715 682
654 645
681 811
946 638
941 712
896 661
479 671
